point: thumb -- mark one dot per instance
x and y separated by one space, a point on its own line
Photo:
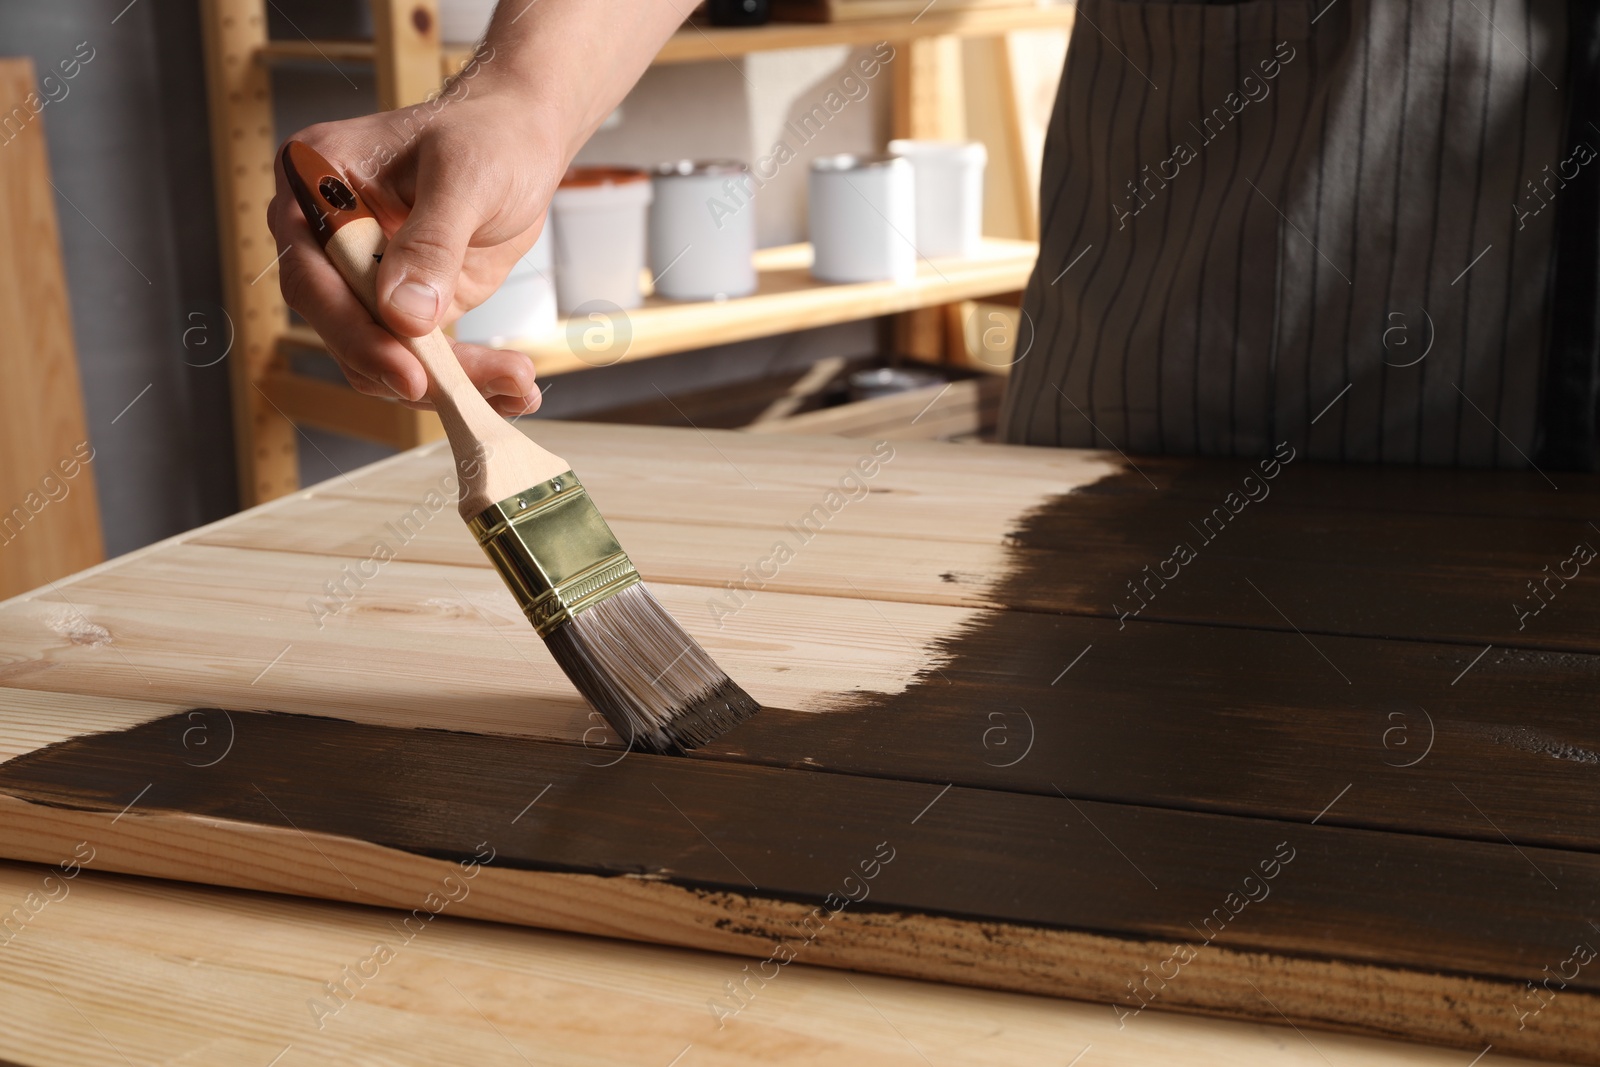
417 277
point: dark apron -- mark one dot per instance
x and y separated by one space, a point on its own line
1327 223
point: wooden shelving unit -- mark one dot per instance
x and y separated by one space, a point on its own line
698 43
271 400
786 298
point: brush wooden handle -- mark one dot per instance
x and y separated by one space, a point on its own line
494 460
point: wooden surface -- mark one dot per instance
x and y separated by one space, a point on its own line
407 33
242 142
226 977
49 519
862 10
954 410
1014 780
697 43
928 104
787 298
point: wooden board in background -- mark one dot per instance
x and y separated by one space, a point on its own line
49 518
1155 764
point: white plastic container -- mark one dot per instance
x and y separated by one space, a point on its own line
464 21
949 194
949 179
703 230
598 214
524 307
863 219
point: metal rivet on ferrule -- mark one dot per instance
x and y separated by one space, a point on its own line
521 503
556 484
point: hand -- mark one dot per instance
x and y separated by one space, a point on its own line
461 187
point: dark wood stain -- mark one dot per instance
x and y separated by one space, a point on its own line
1328 550
1246 715
1464 907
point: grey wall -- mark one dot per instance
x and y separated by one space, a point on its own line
131 158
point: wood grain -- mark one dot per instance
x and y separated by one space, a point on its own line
228 975
709 830
377 742
49 519
242 141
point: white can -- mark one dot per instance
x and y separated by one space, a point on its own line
703 230
863 219
949 179
598 214
464 21
523 308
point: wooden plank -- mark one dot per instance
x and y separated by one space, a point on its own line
242 143
615 1003
787 298
928 104
49 516
711 854
700 44
1017 477
1012 479
329 406
934 413
836 11
406 50
1282 567
389 647
697 43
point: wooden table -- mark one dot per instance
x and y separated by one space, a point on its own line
1312 769
162 972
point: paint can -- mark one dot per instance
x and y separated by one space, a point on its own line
523 308
703 230
863 218
739 12
598 214
949 181
464 21
888 381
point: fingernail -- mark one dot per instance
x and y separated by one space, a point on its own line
505 387
399 386
415 299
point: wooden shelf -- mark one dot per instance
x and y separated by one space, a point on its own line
787 299
408 63
696 43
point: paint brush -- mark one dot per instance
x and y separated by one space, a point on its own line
655 685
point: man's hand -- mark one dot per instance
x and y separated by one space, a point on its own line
460 185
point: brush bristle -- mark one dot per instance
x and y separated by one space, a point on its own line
655 685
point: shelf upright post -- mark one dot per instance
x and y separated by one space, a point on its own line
242 143
929 103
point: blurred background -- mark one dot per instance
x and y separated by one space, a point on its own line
131 143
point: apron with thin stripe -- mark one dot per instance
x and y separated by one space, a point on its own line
1327 223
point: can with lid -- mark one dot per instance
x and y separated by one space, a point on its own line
598 214
949 180
863 219
703 230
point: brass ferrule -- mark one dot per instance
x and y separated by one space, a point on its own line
553 548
